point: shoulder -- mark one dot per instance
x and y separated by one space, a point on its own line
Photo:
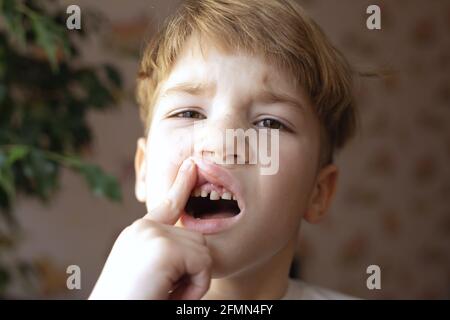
299 290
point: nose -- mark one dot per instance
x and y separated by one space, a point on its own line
216 140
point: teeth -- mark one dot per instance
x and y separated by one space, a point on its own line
226 196
214 195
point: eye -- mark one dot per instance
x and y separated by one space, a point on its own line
270 124
188 114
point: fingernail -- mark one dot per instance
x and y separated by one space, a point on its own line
187 164
205 164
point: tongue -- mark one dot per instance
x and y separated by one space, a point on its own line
217 215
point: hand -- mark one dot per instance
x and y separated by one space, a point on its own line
152 259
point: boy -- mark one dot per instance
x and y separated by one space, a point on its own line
216 227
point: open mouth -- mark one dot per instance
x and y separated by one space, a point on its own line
216 202
212 202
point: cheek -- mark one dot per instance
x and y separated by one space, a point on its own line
169 145
289 190
166 150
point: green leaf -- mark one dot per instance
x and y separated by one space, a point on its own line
7 189
45 38
101 183
16 153
113 75
49 35
14 20
7 182
6 176
96 94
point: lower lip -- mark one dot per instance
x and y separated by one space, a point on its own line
208 226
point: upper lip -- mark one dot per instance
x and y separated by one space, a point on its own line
217 175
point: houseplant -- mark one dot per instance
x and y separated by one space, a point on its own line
46 93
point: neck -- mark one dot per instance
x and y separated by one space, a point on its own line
266 281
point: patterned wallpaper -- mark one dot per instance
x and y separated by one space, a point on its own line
391 208
392 204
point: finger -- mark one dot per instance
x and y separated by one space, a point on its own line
197 278
193 287
170 210
194 236
178 288
198 267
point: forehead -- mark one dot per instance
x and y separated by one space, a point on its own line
210 66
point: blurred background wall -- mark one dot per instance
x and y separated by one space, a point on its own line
392 205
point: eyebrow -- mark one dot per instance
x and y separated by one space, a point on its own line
270 97
266 96
192 88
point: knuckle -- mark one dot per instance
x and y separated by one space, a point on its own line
153 231
145 228
163 244
205 257
171 205
200 238
208 261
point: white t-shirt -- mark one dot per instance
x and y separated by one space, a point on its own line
299 290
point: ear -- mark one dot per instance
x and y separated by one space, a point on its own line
140 170
323 193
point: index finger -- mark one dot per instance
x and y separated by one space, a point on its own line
170 210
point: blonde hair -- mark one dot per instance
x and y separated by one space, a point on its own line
278 30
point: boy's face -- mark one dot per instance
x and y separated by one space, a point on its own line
220 91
